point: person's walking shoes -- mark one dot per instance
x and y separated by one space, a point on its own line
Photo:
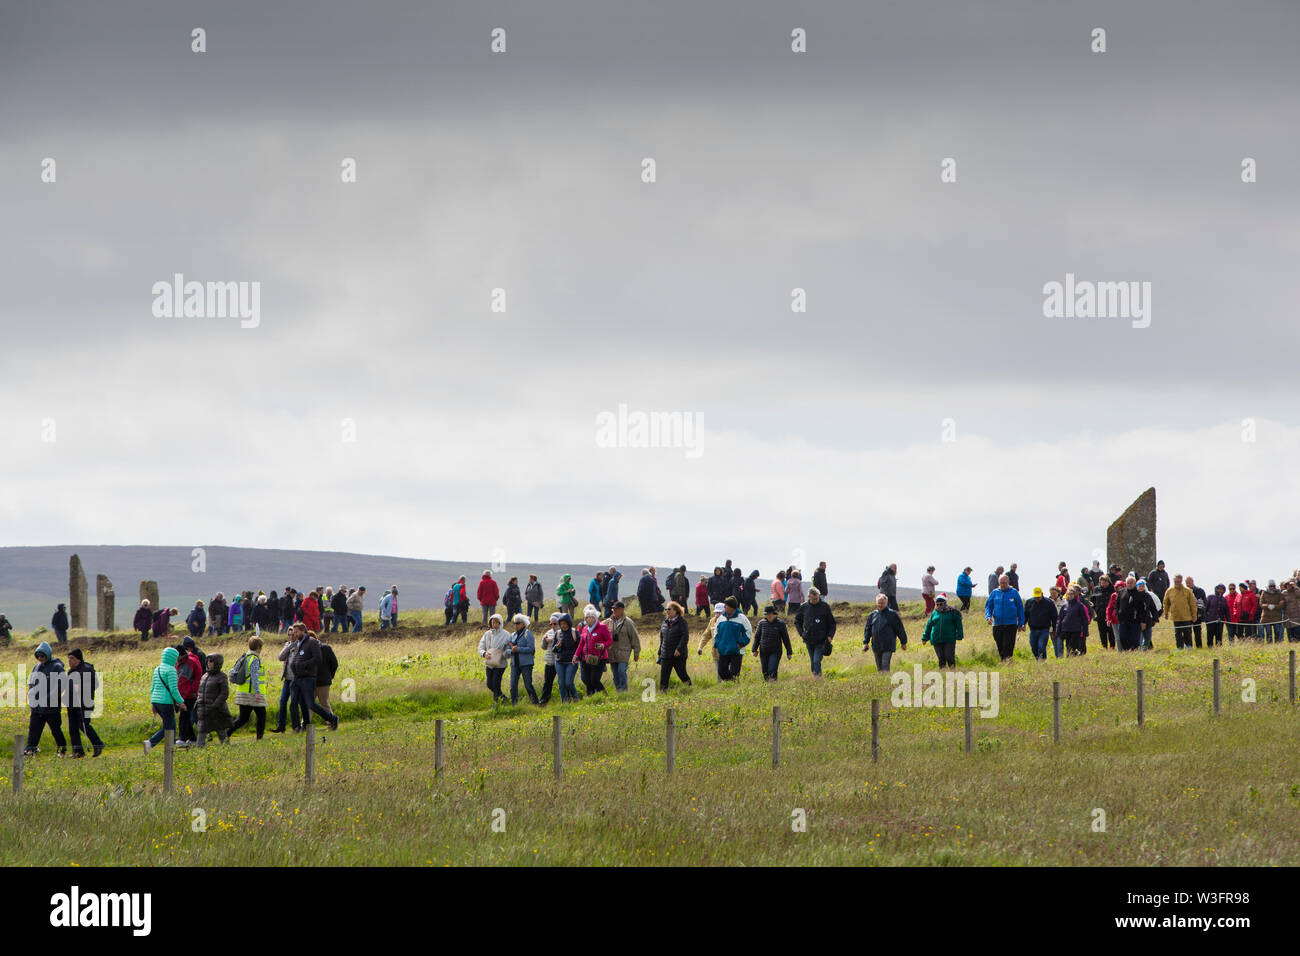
77 754
99 749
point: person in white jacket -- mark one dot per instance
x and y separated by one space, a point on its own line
492 650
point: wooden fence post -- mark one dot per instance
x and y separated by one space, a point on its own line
1056 711
437 747
970 727
1216 687
875 729
556 737
311 753
776 737
169 749
671 753
19 743
1141 701
1292 658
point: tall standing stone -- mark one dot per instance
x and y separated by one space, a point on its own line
76 593
105 605
149 589
1131 539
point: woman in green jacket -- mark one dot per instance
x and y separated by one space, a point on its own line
943 631
165 696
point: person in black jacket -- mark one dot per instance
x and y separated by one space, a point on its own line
770 635
1158 582
718 585
749 593
83 683
1133 611
60 623
328 667
45 694
819 579
339 605
674 645
1040 618
264 616
306 668
6 626
883 632
816 625
888 585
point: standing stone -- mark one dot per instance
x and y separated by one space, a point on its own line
105 605
149 589
76 593
1131 540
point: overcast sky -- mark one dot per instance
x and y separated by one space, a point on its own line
476 431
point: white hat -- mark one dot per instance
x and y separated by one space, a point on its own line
719 609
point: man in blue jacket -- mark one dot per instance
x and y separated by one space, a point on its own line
1004 609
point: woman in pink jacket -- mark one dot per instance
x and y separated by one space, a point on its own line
778 592
593 649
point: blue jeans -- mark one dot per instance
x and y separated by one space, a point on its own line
1058 644
168 714
618 670
567 673
524 672
383 623
1273 633
771 662
338 622
304 692
289 703
1146 638
356 620
815 654
1038 642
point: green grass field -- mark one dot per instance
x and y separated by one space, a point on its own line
1188 788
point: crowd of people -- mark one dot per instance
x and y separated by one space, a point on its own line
190 691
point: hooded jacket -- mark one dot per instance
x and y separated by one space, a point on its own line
495 638
944 626
311 613
235 617
143 620
794 593
59 621
512 599
44 690
566 640
164 689
189 674
819 581
1216 609
611 587
212 707
488 592
593 639
702 594
1074 618
750 589
565 593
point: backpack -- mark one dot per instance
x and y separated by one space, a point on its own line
239 673
446 601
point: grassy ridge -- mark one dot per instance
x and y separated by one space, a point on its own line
1187 789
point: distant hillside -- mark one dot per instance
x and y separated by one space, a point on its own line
34 580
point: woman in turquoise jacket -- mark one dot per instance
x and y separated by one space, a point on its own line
165 696
965 588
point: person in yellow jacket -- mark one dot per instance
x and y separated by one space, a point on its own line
252 694
1180 607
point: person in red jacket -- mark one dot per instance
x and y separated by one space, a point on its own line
189 672
1247 605
311 613
1234 612
594 641
488 593
702 597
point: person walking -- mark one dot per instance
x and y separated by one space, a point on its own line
494 650
1005 612
566 664
1102 592
1132 615
306 666
702 597
339 607
943 629
288 700
59 622
1154 611
356 602
883 632
769 637
45 699
996 576
749 593
679 589
778 591
732 634
548 657
142 623
815 624
329 666
217 611
566 596
819 580
888 585
512 598
165 696
252 692
794 595
674 645
1199 595
965 588
1072 623
609 590
533 597
83 682
929 585
213 702
488 594
189 675
1180 607
625 644
1040 618
593 650
522 650
1013 576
